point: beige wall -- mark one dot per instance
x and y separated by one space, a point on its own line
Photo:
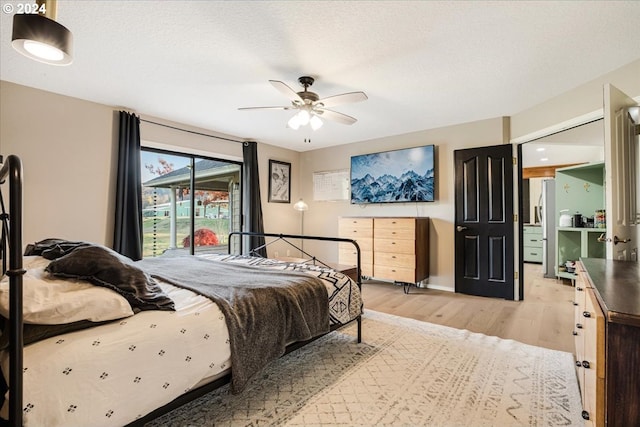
322 217
582 100
68 147
69 152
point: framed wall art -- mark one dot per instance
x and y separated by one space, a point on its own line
279 182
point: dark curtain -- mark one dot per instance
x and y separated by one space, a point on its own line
252 205
128 225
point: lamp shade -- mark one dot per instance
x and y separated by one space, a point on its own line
300 205
42 39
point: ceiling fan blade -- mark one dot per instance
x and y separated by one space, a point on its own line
267 108
287 91
345 98
335 116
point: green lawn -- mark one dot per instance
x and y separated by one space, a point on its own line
156 232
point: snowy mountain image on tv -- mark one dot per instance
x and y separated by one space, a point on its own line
405 175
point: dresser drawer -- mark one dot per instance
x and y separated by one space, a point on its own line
398 274
395 228
348 256
365 245
593 360
594 334
352 228
396 259
400 246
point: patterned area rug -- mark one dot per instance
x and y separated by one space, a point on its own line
406 373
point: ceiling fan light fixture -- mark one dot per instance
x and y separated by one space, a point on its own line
315 122
304 117
40 37
294 122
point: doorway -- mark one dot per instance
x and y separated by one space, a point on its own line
540 158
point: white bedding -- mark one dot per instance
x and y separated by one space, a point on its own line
111 375
116 373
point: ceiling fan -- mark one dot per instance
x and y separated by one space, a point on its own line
311 107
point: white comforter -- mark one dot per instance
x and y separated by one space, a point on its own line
119 372
126 370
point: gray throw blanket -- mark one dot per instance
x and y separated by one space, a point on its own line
264 309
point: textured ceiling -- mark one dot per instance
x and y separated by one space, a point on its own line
423 64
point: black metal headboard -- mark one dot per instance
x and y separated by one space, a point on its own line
11 251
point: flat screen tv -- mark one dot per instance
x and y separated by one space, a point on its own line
405 175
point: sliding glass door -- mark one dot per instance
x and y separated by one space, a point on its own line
190 204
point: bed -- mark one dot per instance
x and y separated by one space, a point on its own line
127 341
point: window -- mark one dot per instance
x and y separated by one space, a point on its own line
173 186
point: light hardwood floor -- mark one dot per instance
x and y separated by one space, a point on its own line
544 318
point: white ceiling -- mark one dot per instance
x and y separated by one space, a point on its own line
581 144
423 64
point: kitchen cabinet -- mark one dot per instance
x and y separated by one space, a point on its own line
532 244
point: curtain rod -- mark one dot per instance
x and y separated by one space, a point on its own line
194 132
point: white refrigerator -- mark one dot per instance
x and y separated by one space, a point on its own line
547 209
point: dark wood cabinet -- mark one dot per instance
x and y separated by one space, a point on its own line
615 287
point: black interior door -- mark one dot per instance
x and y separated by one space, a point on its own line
484 221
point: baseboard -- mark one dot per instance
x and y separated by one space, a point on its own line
440 288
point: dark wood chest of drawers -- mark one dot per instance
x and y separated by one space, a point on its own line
609 322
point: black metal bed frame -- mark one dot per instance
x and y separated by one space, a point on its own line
284 237
11 249
202 390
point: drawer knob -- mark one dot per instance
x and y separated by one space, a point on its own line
579 289
579 325
585 415
575 303
575 333
585 364
586 314
578 364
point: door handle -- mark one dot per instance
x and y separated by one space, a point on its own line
461 228
616 240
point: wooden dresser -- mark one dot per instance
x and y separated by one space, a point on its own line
360 230
391 248
607 338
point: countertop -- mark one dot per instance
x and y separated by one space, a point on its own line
618 288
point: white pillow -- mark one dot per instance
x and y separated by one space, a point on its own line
50 301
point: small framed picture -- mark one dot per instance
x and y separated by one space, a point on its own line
279 182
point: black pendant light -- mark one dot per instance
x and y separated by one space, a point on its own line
38 36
